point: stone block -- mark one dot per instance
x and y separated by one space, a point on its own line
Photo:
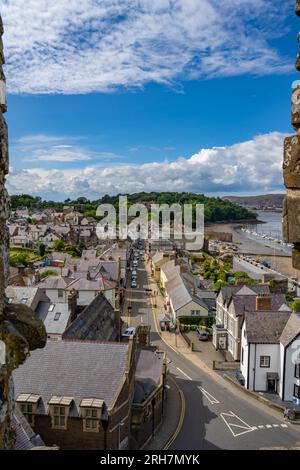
291 162
296 106
291 217
296 257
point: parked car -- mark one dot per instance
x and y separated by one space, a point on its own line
134 273
129 332
133 283
135 263
202 334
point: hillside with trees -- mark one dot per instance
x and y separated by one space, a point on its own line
216 209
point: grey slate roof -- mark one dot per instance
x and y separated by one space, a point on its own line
55 282
96 322
55 319
227 292
149 368
26 439
78 369
291 330
247 303
265 327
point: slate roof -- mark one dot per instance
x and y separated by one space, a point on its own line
97 322
291 330
17 293
265 327
247 303
55 282
92 285
149 369
227 292
26 439
78 369
55 319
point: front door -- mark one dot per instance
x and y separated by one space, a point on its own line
272 385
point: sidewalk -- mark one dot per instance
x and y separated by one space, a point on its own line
171 424
176 342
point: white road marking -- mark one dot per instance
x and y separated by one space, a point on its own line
275 425
234 423
268 426
261 426
210 398
284 425
187 376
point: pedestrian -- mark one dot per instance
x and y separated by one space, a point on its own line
286 413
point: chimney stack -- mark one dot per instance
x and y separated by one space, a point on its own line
72 303
263 303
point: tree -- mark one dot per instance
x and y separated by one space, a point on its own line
58 245
296 306
42 249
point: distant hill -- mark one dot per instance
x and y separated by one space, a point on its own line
265 201
215 209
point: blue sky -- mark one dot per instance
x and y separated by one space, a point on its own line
115 96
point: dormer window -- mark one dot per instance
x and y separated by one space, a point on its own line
28 405
91 411
24 301
59 408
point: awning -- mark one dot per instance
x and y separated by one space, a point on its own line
272 376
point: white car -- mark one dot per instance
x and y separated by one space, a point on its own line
133 283
134 273
135 263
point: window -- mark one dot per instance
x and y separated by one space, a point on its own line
28 412
60 293
57 316
59 417
91 417
195 313
28 405
59 408
51 308
297 371
265 361
296 391
24 301
91 411
242 355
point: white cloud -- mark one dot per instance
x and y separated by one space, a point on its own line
252 166
73 46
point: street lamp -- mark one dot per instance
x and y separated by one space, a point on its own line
121 423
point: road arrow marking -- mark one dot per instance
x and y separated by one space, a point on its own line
212 400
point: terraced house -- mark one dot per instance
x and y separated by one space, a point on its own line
232 304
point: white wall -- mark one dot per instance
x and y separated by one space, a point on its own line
290 379
258 378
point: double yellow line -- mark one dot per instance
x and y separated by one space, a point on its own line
180 422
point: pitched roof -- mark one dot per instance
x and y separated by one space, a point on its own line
19 294
265 327
247 303
291 330
26 439
54 316
55 282
97 321
78 369
227 292
82 283
148 373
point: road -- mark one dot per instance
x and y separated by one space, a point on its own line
216 416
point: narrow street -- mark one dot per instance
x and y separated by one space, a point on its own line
216 417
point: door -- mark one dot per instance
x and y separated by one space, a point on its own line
272 385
